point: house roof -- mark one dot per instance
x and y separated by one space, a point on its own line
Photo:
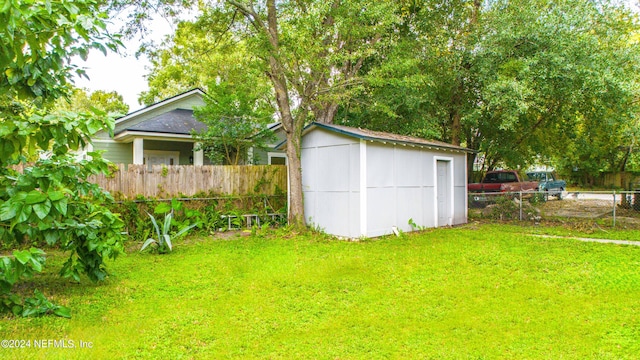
383 137
196 91
177 121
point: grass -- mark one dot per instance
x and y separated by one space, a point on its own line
573 228
479 291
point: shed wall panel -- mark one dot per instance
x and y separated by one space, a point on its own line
409 206
330 179
332 212
323 138
380 166
333 168
354 168
408 167
460 170
381 208
429 200
460 205
354 214
310 208
309 163
428 169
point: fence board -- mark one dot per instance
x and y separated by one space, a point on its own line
170 181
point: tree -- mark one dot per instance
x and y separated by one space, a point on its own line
37 42
109 101
237 117
201 52
515 80
239 102
421 85
81 100
312 53
548 71
49 202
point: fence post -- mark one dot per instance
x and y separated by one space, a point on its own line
614 208
520 194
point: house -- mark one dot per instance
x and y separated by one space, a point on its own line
160 134
365 183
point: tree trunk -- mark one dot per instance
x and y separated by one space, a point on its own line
327 113
292 126
456 128
471 159
296 204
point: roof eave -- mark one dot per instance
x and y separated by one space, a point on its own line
128 136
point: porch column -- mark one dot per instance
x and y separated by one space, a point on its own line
138 151
198 155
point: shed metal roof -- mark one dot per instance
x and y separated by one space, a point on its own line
383 137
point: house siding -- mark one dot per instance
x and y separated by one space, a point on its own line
261 157
119 153
122 153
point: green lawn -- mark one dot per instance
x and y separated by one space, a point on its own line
470 292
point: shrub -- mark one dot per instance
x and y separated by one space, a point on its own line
163 240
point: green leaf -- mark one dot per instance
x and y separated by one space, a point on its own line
183 231
25 212
7 150
147 243
155 225
62 311
43 209
162 208
61 206
35 197
167 223
51 237
55 195
5 6
8 211
36 265
22 256
167 240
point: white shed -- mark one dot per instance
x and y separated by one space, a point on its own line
364 183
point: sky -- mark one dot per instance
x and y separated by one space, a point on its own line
123 72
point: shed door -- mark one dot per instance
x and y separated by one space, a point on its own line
443 192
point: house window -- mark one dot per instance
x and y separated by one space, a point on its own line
277 158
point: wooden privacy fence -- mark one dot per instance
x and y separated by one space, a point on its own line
624 180
175 180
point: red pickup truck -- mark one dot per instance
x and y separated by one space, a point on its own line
501 181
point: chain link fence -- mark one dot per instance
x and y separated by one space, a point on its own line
608 208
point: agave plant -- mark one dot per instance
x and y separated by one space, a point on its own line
163 242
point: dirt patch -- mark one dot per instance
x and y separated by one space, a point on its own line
588 209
